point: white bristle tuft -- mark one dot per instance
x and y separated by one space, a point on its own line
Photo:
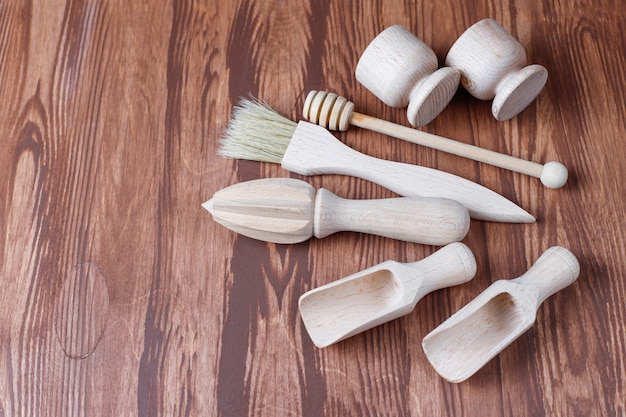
256 132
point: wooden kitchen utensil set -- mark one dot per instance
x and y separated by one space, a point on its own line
434 208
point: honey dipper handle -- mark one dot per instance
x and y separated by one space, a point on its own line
431 221
552 174
555 269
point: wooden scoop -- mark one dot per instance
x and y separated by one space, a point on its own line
389 290
287 210
475 334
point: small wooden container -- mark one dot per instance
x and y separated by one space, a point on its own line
401 70
492 64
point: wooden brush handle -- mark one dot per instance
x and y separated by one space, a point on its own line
314 150
554 270
431 221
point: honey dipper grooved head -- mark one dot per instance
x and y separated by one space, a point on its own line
328 110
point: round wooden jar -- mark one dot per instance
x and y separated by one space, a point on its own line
492 64
401 70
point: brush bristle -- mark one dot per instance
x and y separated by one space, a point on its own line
256 132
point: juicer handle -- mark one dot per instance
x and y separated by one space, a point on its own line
430 221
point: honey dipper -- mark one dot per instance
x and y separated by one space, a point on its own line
337 113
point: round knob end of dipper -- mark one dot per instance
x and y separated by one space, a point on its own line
554 175
431 95
328 110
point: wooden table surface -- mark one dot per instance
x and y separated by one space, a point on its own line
121 296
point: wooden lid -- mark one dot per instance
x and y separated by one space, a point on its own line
516 92
432 95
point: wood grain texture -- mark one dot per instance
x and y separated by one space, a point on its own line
111 116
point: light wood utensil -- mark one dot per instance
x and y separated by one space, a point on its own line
492 64
287 210
401 70
257 132
475 334
337 113
379 294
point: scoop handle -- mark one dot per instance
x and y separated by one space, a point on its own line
430 221
454 264
555 269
